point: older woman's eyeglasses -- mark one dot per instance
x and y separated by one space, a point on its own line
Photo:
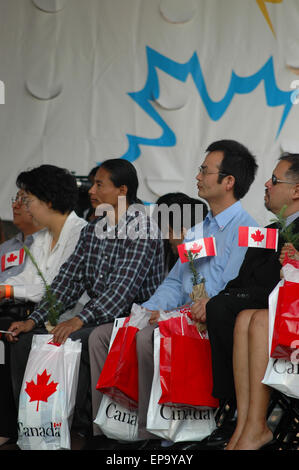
21 199
18 199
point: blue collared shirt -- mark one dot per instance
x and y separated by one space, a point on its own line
217 270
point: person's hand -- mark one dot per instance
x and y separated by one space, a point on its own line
18 327
62 331
155 314
198 310
290 250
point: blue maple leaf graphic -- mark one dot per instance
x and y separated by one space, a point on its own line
215 109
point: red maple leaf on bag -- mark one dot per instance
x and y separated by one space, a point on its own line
11 258
41 390
257 236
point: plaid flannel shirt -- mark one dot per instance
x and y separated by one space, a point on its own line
115 272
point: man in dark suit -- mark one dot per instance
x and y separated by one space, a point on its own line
258 275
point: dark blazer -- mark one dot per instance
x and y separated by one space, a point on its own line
259 272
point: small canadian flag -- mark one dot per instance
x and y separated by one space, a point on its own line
202 247
258 237
13 258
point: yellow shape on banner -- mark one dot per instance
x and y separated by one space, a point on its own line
261 4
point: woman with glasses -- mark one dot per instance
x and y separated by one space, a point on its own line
49 195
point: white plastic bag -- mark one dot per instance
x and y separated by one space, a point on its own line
115 421
175 423
281 374
48 394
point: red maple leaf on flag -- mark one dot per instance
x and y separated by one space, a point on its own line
257 236
41 390
196 248
11 258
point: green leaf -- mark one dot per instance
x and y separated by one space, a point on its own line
286 232
54 307
196 276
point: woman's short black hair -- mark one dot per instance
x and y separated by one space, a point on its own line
53 184
122 172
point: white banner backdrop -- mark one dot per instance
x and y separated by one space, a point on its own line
153 81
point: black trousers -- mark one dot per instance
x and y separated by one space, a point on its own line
222 311
19 353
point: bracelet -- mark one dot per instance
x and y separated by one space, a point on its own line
8 291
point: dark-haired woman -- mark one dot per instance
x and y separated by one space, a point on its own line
50 195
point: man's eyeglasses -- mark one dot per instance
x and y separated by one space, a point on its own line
204 171
275 180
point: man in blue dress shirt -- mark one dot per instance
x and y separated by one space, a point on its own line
223 179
